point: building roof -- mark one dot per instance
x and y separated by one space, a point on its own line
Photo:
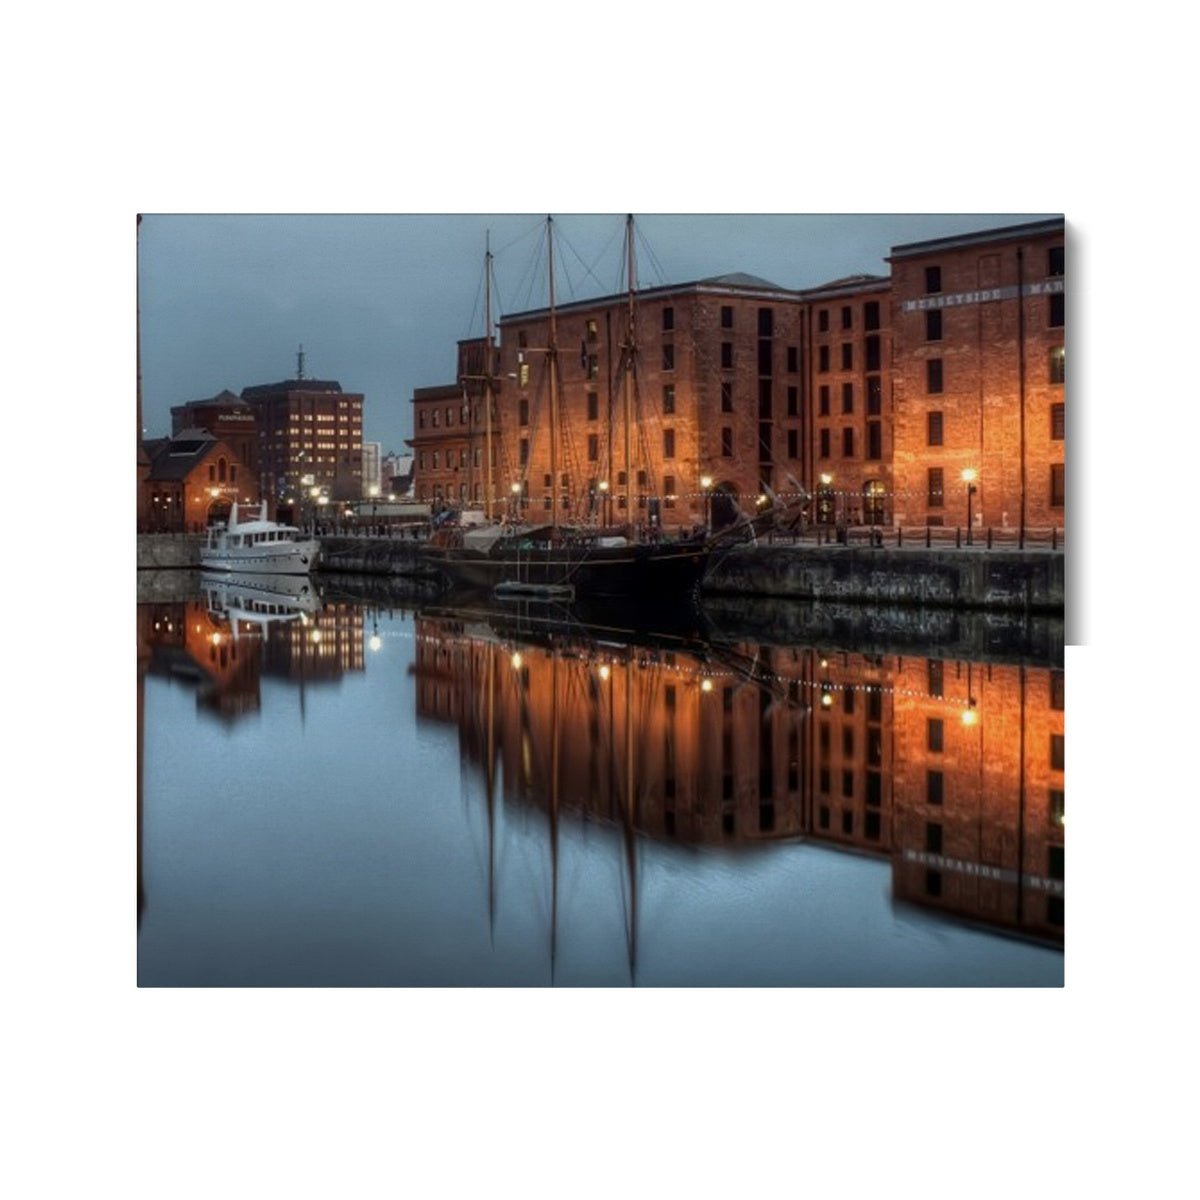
175 457
741 279
848 285
1005 233
223 399
735 282
261 390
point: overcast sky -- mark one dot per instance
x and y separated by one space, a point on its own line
378 302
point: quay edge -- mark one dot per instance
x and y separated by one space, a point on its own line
1009 580
1004 580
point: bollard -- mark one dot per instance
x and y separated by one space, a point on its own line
957 538
989 537
928 537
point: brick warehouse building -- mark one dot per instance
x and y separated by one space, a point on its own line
193 480
750 387
979 367
848 467
718 396
226 417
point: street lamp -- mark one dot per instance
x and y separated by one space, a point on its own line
603 488
515 490
706 482
969 476
825 504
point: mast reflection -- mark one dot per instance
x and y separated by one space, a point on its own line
952 770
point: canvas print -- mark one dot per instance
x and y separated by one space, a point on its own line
601 600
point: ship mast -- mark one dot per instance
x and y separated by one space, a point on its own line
552 357
488 382
630 341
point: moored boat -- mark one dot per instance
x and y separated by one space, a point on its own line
258 545
644 562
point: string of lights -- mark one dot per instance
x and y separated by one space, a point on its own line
702 672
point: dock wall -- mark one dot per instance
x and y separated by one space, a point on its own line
1019 581
1010 580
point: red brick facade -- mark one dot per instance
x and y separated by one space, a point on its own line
759 389
978 328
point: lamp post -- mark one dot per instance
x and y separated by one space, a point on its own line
826 502
514 491
969 476
706 482
603 488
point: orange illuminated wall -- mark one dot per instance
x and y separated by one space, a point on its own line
979 788
952 770
979 335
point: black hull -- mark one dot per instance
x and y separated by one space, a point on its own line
651 574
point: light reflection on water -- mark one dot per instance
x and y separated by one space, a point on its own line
362 796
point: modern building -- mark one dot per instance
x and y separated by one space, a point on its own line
310 442
372 470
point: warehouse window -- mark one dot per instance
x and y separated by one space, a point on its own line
933 376
936 494
1058 493
1057 422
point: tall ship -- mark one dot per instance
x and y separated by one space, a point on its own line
560 559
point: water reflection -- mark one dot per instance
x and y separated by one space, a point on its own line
727 750
952 770
238 631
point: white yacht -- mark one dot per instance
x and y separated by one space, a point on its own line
258 546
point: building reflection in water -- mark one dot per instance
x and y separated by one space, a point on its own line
951 770
226 642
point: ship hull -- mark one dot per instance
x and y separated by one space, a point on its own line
660 574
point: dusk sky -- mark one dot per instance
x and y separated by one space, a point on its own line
378 302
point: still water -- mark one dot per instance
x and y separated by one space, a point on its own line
343 789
